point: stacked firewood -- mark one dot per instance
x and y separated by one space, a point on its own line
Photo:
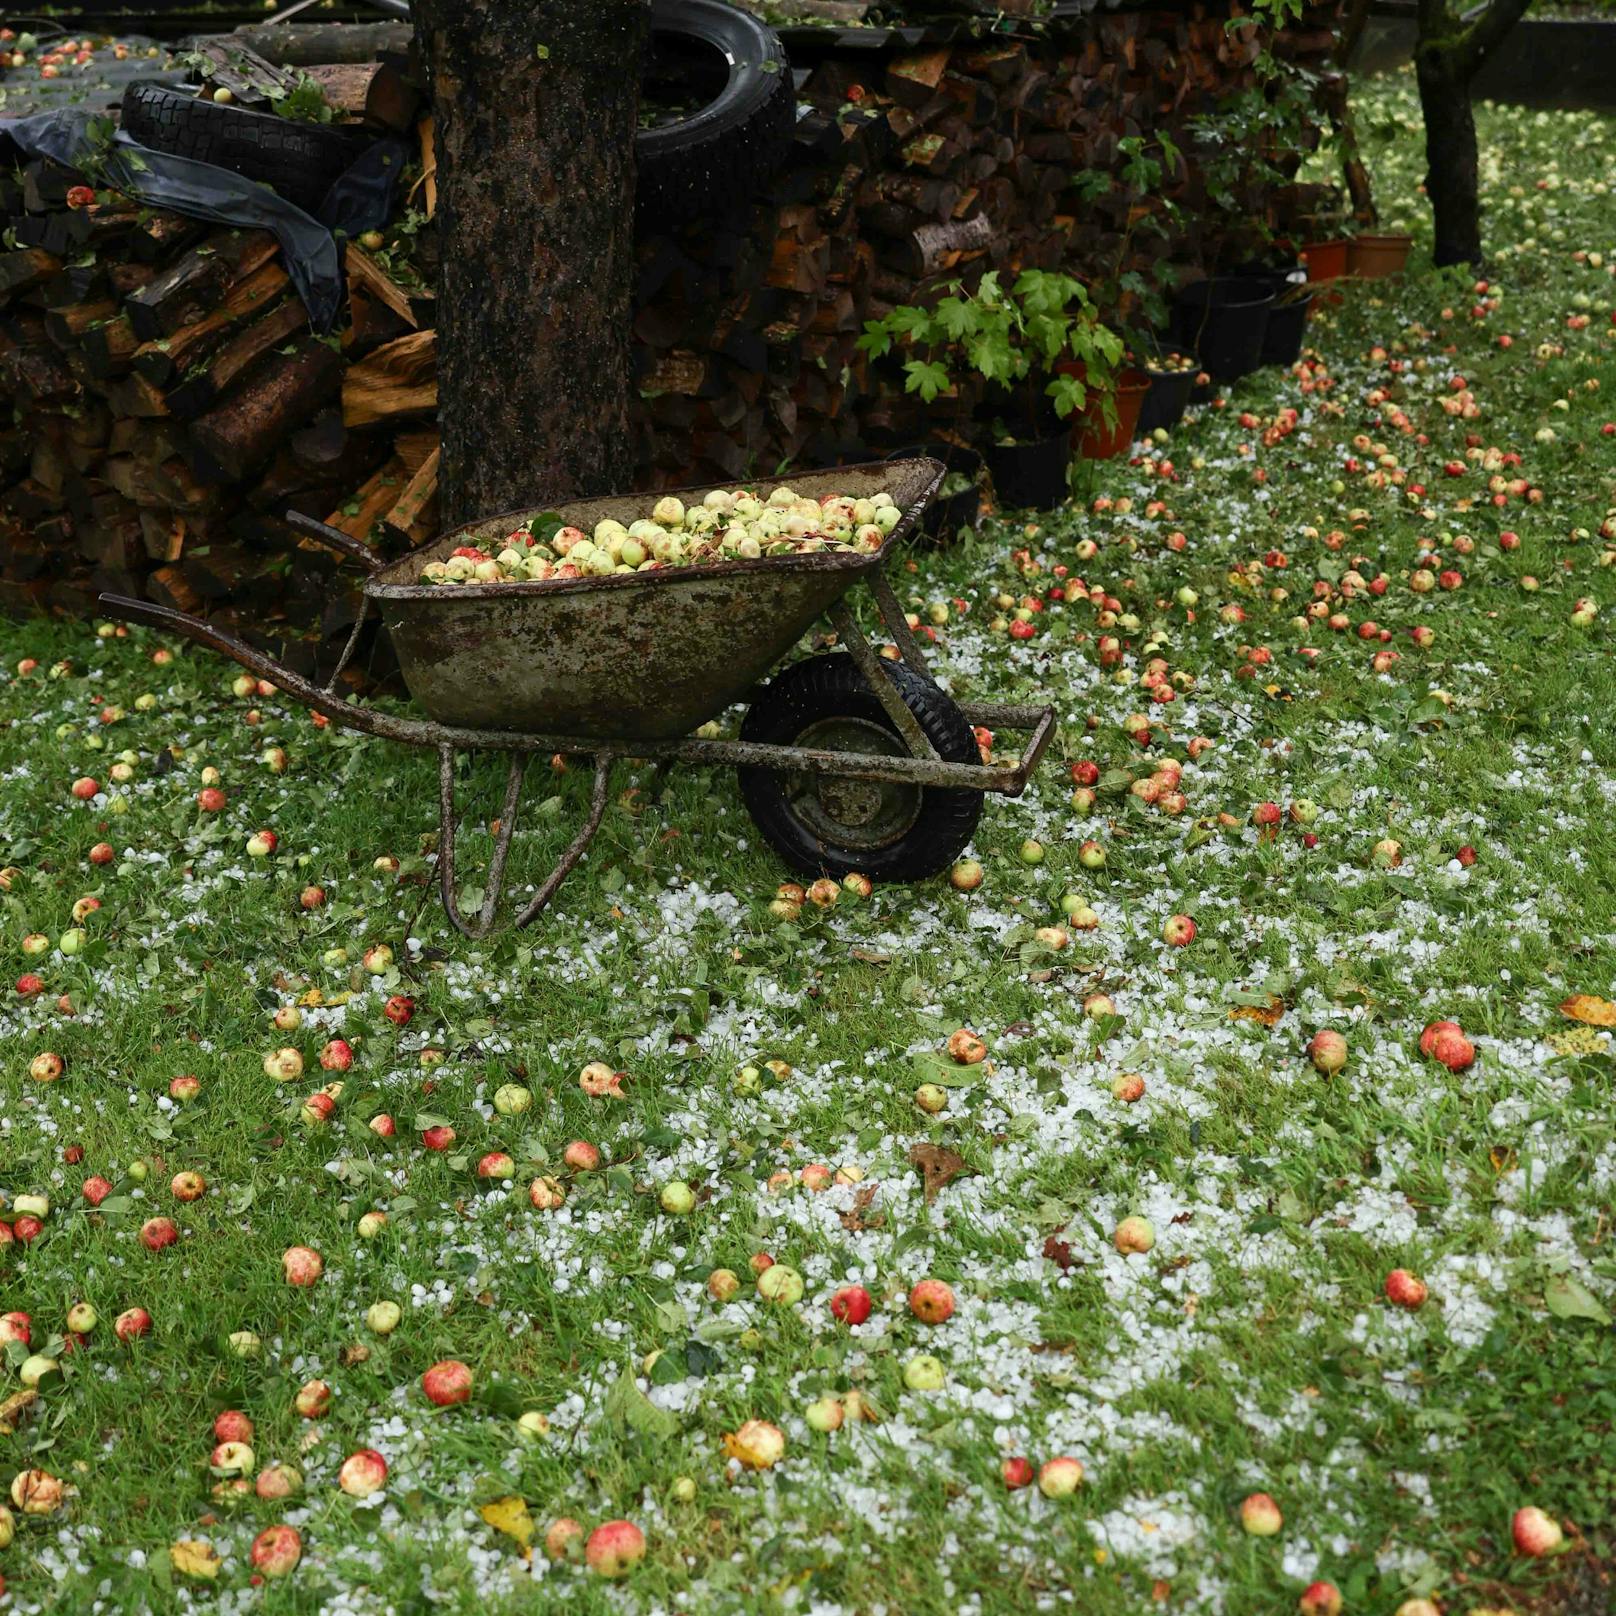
910 171
170 403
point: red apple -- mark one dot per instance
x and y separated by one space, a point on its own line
1404 1289
1260 1515
931 1301
1017 1473
447 1383
362 1473
615 1548
132 1323
1320 1599
302 1265
156 1233
232 1426
1535 1533
851 1304
276 1551
337 1056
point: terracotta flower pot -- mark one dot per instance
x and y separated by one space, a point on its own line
1092 437
1326 260
1373 258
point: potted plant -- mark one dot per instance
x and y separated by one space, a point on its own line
1111 416
1010 346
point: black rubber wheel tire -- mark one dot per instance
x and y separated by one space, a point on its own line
824 691
722 153
300 161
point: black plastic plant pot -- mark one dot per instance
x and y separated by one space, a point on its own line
948 513
1287 322
1224 319
1032 475
1168 398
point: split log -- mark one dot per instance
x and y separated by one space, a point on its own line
358 518
405 519
254 82
373 91
199 390
239 435
310 44
164 358
22 271
193 287
400 379
364 272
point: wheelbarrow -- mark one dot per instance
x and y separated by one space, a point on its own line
848 761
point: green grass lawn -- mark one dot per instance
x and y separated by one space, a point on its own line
1252 1350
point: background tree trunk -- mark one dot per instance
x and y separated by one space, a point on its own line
1452 176
1448 53
536 103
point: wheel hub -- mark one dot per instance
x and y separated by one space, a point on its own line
856 814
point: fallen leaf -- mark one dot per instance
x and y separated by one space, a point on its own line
938 1166
1585 1007
1267 1014
854 1219
195 1557
510 1516
1058 1251
1579 1041
626 1402
870 956
1566 1299
17 1410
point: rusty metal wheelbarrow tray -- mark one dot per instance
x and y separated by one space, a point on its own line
635 657
624 666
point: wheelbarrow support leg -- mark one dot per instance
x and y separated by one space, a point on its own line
569 859
869 664
892 615
448 824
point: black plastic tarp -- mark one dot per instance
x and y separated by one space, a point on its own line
362 199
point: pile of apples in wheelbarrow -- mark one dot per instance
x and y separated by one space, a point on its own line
726 526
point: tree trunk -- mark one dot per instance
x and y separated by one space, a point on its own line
536 103
1451 173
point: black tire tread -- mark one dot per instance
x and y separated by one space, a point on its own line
831 686
299 161
683 173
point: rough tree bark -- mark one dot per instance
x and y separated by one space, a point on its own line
536 104
1448 53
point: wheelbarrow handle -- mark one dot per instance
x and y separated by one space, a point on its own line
336 539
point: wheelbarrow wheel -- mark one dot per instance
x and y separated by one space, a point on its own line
825 825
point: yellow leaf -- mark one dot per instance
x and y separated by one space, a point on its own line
1578 1041
1267 1014
510 1516
18 1408
1584 1007
195 1557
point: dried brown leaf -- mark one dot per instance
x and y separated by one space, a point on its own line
938 1166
